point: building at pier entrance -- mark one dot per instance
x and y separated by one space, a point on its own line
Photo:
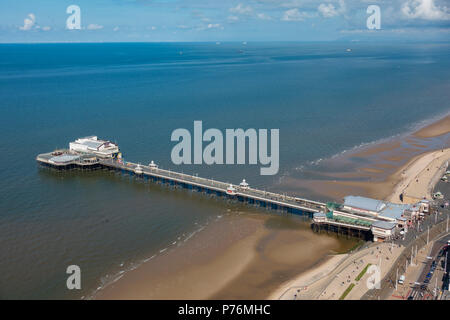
385 220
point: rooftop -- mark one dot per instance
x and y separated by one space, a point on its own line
384 225
364 203
92 144
90 138
64 158
394 211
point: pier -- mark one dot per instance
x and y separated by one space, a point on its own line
244 194
65 160
358 215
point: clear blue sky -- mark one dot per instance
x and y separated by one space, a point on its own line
223 20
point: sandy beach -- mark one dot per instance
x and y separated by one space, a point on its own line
195 276
262 256
243 256
435 129
418 176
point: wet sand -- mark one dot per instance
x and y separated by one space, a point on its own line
436 129
194 269
243 256
281 254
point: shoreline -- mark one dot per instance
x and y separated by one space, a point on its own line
239 262
189 277
309 277
231 259
418 176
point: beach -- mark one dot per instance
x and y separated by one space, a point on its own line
418 177
243 256
435 129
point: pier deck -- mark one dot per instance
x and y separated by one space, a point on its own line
65 159
277 201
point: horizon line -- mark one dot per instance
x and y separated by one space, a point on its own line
218 42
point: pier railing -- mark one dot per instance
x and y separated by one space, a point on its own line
256 194
242 193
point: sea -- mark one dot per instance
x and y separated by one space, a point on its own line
323 98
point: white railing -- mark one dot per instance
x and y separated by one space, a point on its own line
251 192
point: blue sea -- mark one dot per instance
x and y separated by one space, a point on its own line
323 98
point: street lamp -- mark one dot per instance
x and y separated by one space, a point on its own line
446 257
396 280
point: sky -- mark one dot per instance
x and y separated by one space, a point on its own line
223 20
